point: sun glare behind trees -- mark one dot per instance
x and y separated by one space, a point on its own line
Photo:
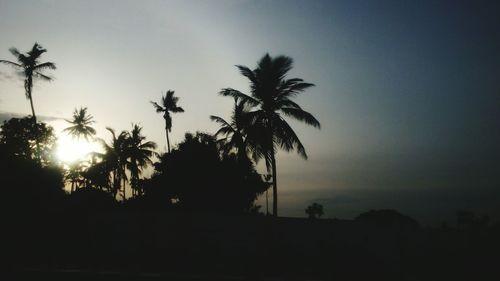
71 149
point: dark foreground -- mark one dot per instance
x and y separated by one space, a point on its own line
124 245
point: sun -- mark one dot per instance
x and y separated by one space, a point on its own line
71 149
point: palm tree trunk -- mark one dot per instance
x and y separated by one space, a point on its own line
124 183
168 141
28 88
275 182
32 109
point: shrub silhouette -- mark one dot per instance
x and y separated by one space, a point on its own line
27 186
196 176
314 211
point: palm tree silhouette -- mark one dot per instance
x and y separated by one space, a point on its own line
139 152
81 124
31 68
168 104
271 95
114 159
234 131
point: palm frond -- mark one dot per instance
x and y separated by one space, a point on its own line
15 52
10 63
157 107
177 109
45 65
219 120
293 89
228 92
301 115
43 76
286 137
247 72
224 131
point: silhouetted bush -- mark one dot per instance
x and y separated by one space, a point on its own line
196 176
314 211
27 185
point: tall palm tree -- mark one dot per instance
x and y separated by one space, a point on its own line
139 152
31 68
234 130
270 95
81 124
168 104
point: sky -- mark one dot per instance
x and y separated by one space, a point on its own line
407 92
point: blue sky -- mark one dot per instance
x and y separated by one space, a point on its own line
407 92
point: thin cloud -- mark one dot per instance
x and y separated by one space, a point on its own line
8 115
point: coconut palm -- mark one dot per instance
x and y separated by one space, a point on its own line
81 124
168 104
31 69
270 96
233 131
114 159
139 152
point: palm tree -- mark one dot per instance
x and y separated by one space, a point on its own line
31 68
270 95
168 104
114 159
81 124
139 152
234 131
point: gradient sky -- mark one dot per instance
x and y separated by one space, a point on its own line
408 92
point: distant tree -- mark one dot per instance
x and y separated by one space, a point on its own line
271 95
201 180
139 153
31 69
22 140
387 218
314 211
80 124
168 104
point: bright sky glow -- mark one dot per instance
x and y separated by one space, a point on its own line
70 149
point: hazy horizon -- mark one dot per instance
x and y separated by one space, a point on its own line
407 93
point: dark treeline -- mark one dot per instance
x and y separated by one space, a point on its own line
196 212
